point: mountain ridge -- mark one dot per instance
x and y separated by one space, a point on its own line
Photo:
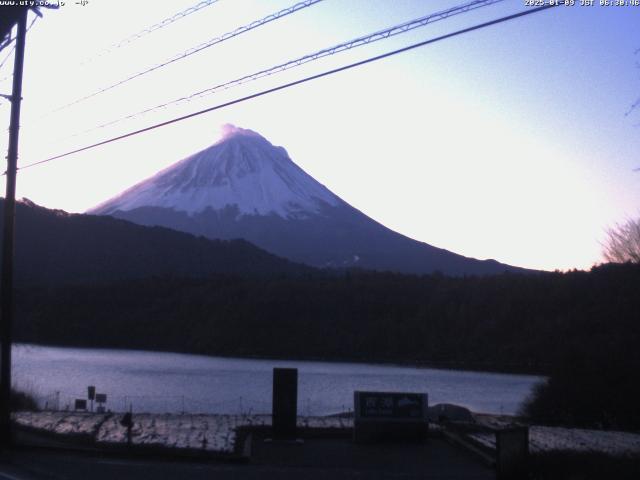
54 247
244 187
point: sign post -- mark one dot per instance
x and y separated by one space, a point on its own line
91 394
285 402
390 416
101 399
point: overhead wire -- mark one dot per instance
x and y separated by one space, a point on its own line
156 26
8 56
214 41
348 45
268 91
167 21
7 41
13 47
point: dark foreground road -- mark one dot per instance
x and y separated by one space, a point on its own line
315 459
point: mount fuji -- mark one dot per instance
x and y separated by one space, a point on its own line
244 187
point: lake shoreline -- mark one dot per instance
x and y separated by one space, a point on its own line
434 365
179 382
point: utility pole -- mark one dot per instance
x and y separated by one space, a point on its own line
6 288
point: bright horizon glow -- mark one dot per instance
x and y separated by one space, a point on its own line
508 143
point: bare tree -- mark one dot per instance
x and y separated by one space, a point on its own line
623 242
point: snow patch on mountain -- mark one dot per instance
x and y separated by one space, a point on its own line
242 169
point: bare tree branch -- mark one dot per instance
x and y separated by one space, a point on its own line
623 243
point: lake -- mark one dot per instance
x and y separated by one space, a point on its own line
170 382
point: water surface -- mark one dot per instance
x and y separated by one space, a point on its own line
171 382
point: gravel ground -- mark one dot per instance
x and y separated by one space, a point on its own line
211 433
558 439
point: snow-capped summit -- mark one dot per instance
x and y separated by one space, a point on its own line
244 187
242 169
230 130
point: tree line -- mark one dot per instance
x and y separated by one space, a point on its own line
508 322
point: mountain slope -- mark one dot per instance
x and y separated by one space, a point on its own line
244 187
55 247
243 169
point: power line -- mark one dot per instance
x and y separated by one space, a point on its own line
202 46
6 42
356 42
13 47
7 57
296 82
157 26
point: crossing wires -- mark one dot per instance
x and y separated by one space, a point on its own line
341 47
360 63
187 53
10 53
13 47
156 26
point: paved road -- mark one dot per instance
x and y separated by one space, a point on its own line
315 459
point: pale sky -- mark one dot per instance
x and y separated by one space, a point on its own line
509 143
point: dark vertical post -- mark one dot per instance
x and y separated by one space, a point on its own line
6 289
285 402
91 395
